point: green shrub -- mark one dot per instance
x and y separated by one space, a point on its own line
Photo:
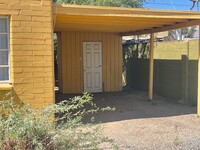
25 128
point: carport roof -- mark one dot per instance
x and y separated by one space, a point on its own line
126 21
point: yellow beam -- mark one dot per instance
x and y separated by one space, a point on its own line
97 29
198 90
151 67
119 11
108 23
93 25
113 19
163 28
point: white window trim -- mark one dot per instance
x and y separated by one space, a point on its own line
9 67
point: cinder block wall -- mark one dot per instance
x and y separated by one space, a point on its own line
175 71
31 49
174 50
183 58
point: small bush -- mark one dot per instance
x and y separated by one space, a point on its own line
25 128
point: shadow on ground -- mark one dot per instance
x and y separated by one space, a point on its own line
133 104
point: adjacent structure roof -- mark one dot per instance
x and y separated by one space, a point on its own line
126 21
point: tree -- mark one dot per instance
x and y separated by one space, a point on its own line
115 3
189 32
183 33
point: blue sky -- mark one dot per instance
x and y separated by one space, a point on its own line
170 4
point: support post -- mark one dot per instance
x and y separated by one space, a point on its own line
151 67
198 88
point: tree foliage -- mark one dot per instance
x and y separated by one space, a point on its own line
183 33
189 32
115 3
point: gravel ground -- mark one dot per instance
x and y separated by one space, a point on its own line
169 133
139 124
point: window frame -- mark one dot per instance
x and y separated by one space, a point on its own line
7 50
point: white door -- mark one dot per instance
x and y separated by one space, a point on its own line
92 65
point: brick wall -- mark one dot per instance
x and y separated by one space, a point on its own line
31 49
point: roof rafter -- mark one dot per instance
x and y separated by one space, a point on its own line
163 28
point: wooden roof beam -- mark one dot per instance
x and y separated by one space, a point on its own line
163 28
106 11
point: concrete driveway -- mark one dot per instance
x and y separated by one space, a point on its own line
137 124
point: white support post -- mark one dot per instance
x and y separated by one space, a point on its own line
151 67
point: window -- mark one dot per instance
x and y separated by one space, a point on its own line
4 50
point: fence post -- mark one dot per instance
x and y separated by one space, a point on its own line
198 88
184 79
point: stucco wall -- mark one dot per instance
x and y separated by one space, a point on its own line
31 49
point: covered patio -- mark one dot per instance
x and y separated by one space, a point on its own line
107 25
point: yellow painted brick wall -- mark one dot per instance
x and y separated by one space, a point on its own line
31 49
174 50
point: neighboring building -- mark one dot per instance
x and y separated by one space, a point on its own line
89 45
